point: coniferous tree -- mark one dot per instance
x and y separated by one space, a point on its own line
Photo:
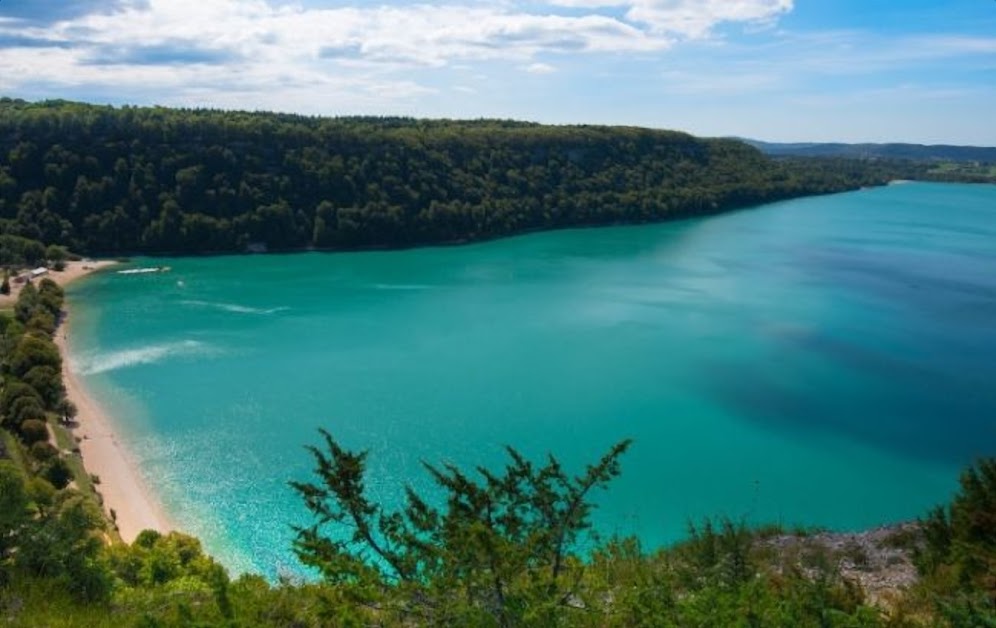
501 549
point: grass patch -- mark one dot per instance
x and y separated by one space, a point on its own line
65 441
15 451
983 171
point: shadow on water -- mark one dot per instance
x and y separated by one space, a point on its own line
926 280
911 374
905 408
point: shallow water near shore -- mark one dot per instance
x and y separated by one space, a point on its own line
825 361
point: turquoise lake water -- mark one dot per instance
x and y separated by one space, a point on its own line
828 361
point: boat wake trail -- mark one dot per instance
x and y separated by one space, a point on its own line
143 271
235 307
114 360
402 286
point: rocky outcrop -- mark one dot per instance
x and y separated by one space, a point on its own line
879 560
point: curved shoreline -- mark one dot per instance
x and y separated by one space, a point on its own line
127 501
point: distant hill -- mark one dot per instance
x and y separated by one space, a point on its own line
915 152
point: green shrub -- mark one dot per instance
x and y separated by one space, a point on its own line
43 451
958 555
25 408
57 472
47 382
12 391
34 431
41 321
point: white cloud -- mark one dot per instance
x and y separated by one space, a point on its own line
204 51
419 34
244 42
689 18
539 68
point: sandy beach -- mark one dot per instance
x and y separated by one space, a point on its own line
72 272
134 506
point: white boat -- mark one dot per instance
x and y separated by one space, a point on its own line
142 271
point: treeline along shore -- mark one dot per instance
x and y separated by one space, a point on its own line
65 434
105 180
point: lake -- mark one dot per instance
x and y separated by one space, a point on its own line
827 362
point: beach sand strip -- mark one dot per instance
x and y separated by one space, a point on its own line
126 498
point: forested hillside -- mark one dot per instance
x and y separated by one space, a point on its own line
936 162
916 152
119 180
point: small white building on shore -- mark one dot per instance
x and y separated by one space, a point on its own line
31 275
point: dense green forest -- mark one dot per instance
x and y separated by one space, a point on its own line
915 152
104 180
965 164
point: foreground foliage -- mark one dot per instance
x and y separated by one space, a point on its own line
31 389
503 551
957 559
488 555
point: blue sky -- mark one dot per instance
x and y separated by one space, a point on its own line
781 70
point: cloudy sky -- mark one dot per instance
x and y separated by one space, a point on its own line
784 70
